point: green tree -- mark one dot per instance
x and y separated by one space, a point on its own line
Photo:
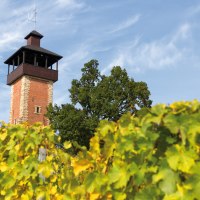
95 97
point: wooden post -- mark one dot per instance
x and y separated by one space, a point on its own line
13 65
46 62
35 60
18 59
42 157
24 54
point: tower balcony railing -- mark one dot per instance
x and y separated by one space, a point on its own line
34 71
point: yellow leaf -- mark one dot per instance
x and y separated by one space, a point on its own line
40 195
67 145
21 183
30 193
3 136
3 167
49 158
80 166
94 146
17 147
56 166
109 196
45 169
3 192
180 189
24 197
53 178
172 197
59 196
53 190
94 196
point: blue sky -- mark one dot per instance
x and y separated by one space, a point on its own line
156 41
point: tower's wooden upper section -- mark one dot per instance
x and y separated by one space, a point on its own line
33 60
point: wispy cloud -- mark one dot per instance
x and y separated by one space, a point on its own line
158 54
7 39
80 30
182 33
50 16
68 69
126 24
14 26
123 56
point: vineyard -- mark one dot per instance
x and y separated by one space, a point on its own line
150 157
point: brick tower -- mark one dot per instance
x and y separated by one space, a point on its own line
32 70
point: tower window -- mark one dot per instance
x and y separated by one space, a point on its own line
37 109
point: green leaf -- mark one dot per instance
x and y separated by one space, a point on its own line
180 159
119 176
167 180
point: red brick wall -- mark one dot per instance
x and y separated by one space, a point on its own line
36 93
33 41
15 101
38 96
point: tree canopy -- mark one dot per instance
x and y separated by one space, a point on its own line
95 97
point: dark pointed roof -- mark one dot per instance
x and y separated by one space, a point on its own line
41 50
36 49
34 33
32 48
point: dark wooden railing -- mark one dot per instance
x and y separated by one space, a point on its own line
31 70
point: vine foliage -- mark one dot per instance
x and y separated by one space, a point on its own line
155 156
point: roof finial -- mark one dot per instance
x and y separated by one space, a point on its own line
33 16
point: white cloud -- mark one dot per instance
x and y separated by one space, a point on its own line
80 34
126 24
123 56
162 53
182 33
78 55
7 39
156 55
50 17
15 27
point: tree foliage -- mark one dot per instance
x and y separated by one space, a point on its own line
153 157
95 97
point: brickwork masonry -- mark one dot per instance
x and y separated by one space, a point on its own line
26 93
11 104
25 88
50 95
50 92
